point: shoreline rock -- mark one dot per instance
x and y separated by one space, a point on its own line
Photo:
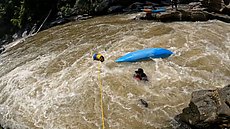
188 12
220 6
208 109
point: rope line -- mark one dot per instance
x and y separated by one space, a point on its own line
101 96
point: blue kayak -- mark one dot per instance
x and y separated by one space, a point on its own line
162 9
145 54
159 10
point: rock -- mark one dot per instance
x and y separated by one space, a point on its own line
195 6
79 17
33 29
136 6
221 17
2 49
168 16
59 22
198 16
24 34
115 9
182 15
226 10
6 39
15 36
217 6
140 16
191 12
208 109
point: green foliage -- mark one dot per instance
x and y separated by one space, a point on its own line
2 11
66 10
18 13
9 9
66 7
18 17
16 22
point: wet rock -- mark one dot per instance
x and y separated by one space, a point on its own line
191 12
59 22
115 9
182 15
79 17
25 33
199 16
196 6
149 16
140 16
136 6
222 6
2 49
168 16
194 11
208 109
226 10
221 17
6 39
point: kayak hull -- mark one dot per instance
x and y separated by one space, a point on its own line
145 54
154 10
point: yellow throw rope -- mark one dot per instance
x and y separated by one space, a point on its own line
101 93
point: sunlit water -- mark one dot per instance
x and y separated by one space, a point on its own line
51 82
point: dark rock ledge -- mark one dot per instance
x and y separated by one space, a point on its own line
208 109
195 11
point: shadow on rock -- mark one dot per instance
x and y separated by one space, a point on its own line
208 109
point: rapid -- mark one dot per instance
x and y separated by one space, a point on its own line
50 81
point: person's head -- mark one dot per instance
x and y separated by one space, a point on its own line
139 71
101 58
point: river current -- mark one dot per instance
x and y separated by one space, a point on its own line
50 81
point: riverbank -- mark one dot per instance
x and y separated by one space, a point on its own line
184 12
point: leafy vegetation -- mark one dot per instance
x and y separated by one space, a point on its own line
18 14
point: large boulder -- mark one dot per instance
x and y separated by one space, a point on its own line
208 109
222 6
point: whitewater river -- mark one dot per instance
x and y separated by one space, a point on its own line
50 81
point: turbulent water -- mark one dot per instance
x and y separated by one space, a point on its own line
50 81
